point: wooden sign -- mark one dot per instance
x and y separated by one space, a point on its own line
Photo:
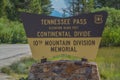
50 36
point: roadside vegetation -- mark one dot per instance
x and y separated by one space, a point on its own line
19 69
108 61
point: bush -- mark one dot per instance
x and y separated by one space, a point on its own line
11 32
111 37
22 66
6 70
20 69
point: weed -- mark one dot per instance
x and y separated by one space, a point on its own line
6 70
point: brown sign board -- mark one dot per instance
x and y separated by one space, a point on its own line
50 36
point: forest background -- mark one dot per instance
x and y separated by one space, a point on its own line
11 27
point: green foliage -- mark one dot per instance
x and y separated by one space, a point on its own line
109 3
35 7
22 66
19 69
23 78
111 37
1 7
6 70
46 7
108 60
12 8
75 7
11 32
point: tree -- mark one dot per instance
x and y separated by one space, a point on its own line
75 7
12 8
1 7
109 3
46 7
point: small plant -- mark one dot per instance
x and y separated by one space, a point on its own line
19 69
22 66
6 70
23 78
103 76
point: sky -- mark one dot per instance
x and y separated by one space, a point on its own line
58 5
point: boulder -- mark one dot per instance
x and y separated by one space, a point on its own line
64 70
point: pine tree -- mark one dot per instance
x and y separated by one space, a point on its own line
76 7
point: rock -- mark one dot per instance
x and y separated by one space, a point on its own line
31 76
64 70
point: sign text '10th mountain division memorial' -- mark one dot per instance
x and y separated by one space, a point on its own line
77 35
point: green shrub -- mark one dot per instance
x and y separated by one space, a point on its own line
18 34
22 66
11 32
23 78
111 37
6 70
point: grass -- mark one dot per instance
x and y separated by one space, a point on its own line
19 69
108 61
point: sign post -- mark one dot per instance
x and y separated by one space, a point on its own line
78 36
